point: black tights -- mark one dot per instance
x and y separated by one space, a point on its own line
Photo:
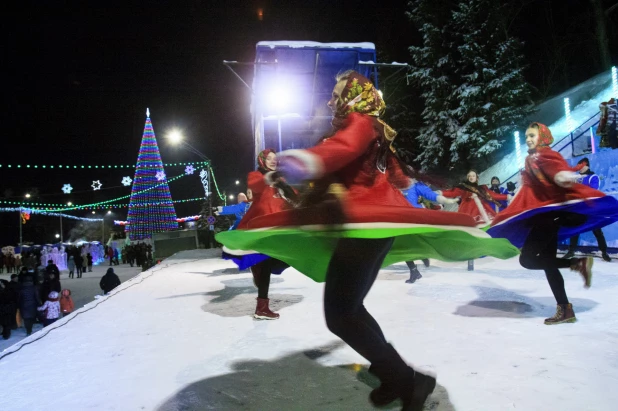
261 274
600 241
539 253
352 271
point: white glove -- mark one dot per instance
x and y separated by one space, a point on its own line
443 200
509 198
566 178
219 210
438 192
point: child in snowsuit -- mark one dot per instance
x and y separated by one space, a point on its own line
66 302
51 309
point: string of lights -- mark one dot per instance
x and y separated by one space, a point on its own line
60 207
87 206
180 220
212 173
108 166
43 212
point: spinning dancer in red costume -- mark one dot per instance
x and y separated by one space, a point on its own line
270 195
551 205
354 221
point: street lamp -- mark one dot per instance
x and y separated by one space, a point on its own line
21 210
176 137
231 196
61 232
57 235
237 182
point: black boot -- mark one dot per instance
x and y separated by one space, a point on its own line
470 265
414 275
426 262
400 381
606 256
569 254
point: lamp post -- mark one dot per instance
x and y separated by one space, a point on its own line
61 233
176 137
21 209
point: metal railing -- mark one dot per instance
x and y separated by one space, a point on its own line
571 140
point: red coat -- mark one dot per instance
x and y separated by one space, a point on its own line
540 194
370 195
266 199
538 187
470 207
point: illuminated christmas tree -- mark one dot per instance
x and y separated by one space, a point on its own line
151 209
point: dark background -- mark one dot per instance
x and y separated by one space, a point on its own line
78 76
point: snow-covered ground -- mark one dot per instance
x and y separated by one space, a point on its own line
181 337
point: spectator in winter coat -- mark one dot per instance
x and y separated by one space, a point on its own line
8 309
110 255
238 210
14 289
28 301
116 256
417 191
50 284
51 307
495 187
71 266
79 260
591 180
109 281
52 269
66 302
84 263
89 260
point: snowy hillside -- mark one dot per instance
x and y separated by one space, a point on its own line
585 100
180 337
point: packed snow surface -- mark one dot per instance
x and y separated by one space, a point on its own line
181 337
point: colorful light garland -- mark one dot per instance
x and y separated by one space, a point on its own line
85 166
180 220
159 215
42 212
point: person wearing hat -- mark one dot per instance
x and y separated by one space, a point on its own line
51 309
591 180
552 205
109 281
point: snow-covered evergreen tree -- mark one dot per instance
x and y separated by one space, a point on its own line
493 97
470 73
434 72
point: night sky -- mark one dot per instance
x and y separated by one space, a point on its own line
78 77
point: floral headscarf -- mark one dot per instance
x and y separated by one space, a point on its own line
360 96
545 137
261 159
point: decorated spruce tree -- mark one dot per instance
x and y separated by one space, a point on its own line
151 209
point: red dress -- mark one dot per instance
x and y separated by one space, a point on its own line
266 199
373 207
370 195
540 194
474 206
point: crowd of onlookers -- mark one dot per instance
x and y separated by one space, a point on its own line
139 254
36 295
